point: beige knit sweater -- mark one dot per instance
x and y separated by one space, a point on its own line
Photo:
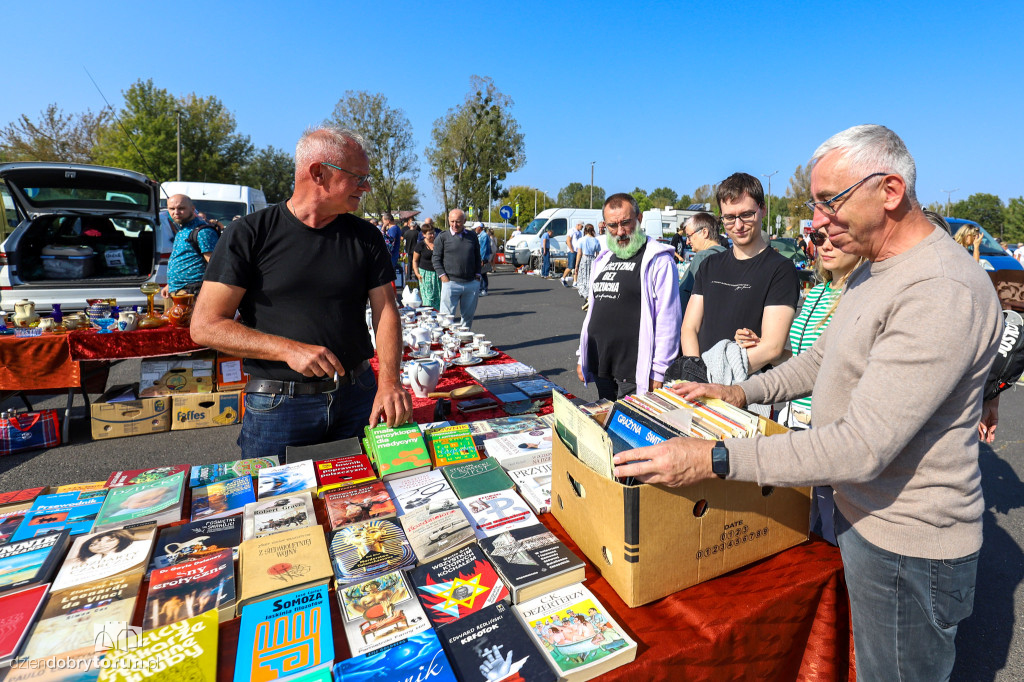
897 381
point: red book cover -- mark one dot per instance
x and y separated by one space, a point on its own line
122 478
18 496
19 609
355 503
344 471
185 590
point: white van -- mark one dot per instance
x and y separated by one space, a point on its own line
216 201
520 249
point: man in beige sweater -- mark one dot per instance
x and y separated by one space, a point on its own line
897 381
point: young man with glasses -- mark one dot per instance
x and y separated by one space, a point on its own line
301 273
896 413
749 287
701 233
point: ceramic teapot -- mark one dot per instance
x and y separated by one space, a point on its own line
25 313
128 321
419 335
424 375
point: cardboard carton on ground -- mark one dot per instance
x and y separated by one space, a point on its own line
650 541
230 376
128 417
203 410
179 374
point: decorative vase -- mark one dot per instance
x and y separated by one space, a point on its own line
424 375
25 313
127 321
180 313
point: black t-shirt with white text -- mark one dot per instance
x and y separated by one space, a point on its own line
306 284
736 292
615 318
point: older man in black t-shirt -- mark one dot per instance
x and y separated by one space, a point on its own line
300 273
749 292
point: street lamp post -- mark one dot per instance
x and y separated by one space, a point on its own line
949 193
769 210
178 112
592 183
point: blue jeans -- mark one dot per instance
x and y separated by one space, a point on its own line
545 268
462 294
273 422
905 610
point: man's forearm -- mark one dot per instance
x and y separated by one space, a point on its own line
234 338
389 344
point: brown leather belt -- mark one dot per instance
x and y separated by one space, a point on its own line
293 388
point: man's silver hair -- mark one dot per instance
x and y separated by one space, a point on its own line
871 149
326 142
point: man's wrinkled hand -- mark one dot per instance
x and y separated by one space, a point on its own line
393 403
676 462
314 361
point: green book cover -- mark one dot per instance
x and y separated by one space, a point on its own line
159 500
399 450
476 478
186 650
451 445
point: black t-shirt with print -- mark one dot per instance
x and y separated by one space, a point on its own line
736 292
615 318
306 284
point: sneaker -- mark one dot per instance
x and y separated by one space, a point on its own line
483 293
565 283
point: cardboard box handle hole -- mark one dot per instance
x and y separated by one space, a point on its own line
607 555
700 508
767 490
577 487
206 404
560 505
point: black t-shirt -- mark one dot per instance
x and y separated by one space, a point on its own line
736 292
615 318
306 284
426 256
678 243
411 236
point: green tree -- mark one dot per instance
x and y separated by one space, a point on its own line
577 195
984 209
937 207
211 150
705 194
662 197
799 191
476 143
272 170
643 201
55 136
779 207
406 196
388 134
1013 220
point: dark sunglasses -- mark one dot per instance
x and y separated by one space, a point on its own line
818 238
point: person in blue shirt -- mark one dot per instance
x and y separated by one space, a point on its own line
545 250
486 255
392 237
187 264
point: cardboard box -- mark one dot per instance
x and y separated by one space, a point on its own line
128 417
203 410
178 374
650 541
230 376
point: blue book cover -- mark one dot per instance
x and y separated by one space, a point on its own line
420 657
27 562
223 498
75 511
284 636
632 431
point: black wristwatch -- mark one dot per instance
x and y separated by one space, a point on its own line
720 459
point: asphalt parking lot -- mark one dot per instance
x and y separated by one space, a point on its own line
537 321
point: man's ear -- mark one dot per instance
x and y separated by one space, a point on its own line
894 189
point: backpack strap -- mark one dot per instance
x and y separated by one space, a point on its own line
193 235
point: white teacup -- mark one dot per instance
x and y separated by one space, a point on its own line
484 348
477 338
466 355
423 348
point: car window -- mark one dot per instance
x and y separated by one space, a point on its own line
558 225
10 213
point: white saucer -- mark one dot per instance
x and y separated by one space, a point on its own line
461 363
419 356
492 354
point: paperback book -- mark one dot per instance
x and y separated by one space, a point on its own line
287 479
121 478
532 561
497 512
534 485
433 535
356 503
427 489
503 426
319 452
457 585
159 501
187 542
109 553
286 636
477 478
205 474
369 549
340 472
187 590
29 562
379 612
273 565
184 650
275 514
19 608
537 388
10 519
19 497
578 636
491 644
91 486
397 452
223 498
518 450
75 511
451 445
419 656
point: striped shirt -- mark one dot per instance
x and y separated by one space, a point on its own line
809 325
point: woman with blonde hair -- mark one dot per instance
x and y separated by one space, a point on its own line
968 236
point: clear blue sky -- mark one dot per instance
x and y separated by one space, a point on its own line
657 93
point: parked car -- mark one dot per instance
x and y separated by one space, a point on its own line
993 257
81 232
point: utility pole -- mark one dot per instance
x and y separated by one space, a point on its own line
592 183
949 193
768 216
489 202
178 112
535 203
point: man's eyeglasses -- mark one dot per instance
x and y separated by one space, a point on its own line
746 217
363 179
818 238
689 235
828 207
624 224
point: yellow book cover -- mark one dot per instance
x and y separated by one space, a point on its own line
281 562
186 650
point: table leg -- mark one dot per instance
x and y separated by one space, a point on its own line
66 427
